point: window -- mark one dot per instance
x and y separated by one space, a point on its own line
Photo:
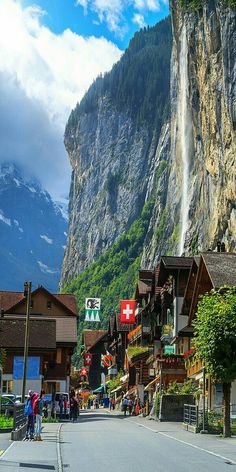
49 304
7 386
58 357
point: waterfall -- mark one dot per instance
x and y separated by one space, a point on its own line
184 132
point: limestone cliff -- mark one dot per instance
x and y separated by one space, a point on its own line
113 140
124 147
201 195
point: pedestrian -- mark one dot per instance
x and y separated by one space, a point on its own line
65 406
61 404
125 405
29 412
38 411
130 406
113 403
73 406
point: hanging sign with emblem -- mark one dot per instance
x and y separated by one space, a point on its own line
127 311
92 309
87 359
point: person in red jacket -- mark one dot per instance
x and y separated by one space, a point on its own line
38 412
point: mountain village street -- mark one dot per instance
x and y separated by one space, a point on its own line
101 440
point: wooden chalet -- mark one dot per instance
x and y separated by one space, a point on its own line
95 342
52 339
211 270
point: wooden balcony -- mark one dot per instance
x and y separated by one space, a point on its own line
194 366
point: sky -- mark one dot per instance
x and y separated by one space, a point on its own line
50 53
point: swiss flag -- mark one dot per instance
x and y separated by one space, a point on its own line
127 311
83 371
87 359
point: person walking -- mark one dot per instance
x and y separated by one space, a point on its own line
125 405
130 406
29 412
73 406
38 411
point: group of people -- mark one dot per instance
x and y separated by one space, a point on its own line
34 412
131 406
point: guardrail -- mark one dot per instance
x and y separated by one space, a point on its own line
191 415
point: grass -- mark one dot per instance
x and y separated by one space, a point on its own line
6 422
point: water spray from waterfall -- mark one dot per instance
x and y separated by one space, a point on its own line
184 130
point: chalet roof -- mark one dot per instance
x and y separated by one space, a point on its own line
92 336
221 267
9 300
169 265
173 262
186 332
190 287
42 334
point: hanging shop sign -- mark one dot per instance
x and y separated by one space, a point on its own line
92 309
87 359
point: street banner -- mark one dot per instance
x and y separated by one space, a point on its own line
92 309
127 311
87 359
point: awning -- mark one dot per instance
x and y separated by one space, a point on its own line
116 389
99 389
151 384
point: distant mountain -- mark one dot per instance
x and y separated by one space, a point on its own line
33 231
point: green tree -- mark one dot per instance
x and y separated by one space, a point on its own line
215 331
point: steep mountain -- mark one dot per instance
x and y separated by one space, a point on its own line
32 232
201 193
180 166
112 139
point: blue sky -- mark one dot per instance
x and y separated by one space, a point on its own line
50 53
63 14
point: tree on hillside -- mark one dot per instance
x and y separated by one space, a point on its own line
215 330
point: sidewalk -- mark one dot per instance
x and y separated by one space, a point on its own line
5 441
213 444
21 454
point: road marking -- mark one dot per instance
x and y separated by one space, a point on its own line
187 443
4 452
59 456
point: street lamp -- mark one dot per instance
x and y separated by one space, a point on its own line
27 294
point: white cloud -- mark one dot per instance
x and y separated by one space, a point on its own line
5 220
46 238
151 5
139 20
52 73
112 12
47 270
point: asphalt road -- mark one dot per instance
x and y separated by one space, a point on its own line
102 442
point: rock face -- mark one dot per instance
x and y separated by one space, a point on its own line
190 165
201 193
114 159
